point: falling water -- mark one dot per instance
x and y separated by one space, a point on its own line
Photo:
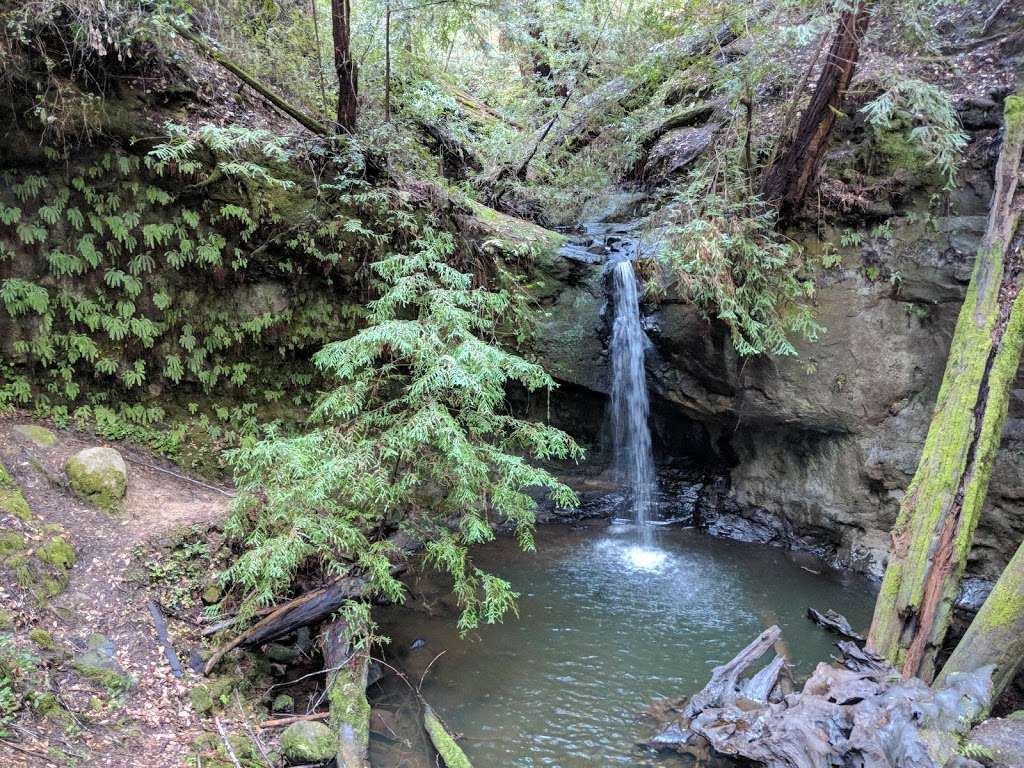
630 406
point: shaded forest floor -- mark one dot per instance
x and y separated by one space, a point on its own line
101 719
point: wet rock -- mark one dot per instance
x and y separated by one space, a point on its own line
973 593
98 475
307 742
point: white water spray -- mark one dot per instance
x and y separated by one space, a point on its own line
634 460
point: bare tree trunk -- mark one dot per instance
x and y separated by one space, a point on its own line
996 636
940 511
345 65
787 181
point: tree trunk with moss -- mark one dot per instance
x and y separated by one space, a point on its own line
788 179
450 752
940 511
347 669
996 636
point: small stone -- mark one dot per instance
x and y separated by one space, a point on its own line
307 741
211 594
98 475
41 437
283 703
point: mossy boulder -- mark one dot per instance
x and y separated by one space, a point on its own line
98 663
212 694
210 749
41 437
98 475
11 500
57 552
307 742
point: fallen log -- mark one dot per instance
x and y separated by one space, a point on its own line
306 121
450 752
721 690
160 624
760 686
996 635
347 669
282 721
862 713
834 622
310 608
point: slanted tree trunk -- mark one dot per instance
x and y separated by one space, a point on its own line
787 181
940 510
996 636
346 693
345 65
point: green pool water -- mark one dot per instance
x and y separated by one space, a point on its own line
603 629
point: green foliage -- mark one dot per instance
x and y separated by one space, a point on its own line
135 267
18 673
927 113
415 434
726 256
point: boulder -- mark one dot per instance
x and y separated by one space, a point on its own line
98 475
41 437
674 151
307 741
98 663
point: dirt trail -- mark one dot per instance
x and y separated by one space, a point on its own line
155 724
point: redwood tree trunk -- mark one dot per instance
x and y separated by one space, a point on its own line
344 65
786 183
940 511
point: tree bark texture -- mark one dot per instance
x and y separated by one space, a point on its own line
996 636
345 65
940 511
788 180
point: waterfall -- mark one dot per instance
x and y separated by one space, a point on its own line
634 461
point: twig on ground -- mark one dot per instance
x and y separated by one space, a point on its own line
279 721
227 744
180 476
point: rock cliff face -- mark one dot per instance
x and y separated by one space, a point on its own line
815 450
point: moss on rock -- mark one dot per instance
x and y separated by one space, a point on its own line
211 695
11 499
57 552
41 437
42 638
98 475
307 741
